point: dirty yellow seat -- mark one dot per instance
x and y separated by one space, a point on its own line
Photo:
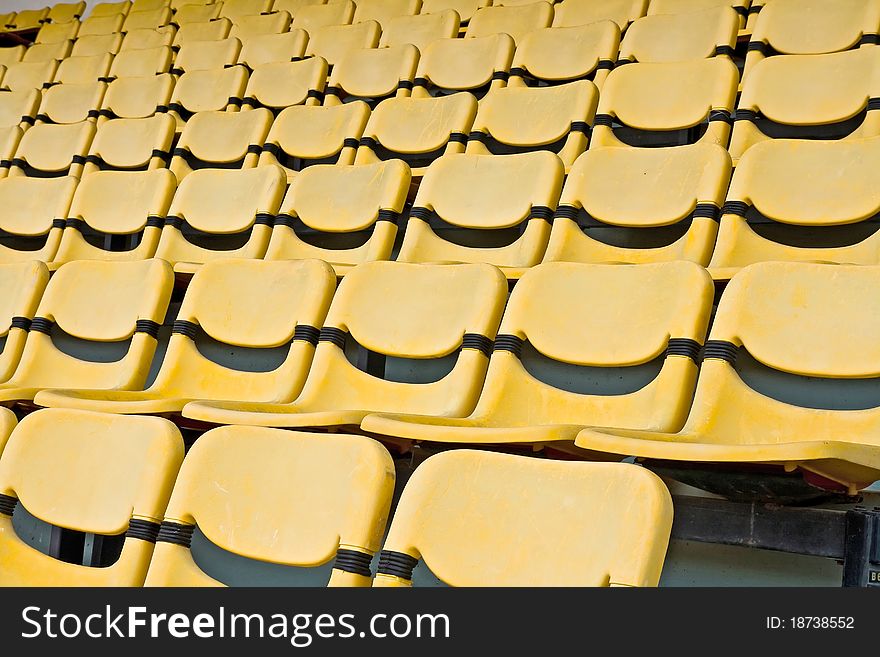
342 214
66 12
799 200
640 205
784 320
273 48
667 104
583 345
272 307
57 32
582 12
215 30
148 38
420 30
387 346
809 96
24 76
141 63
221 140
304 135
475 65
235 9
417 130
99 25
313 17
485 519
136 98
555 55
383 11
23 283
19 108
336 491
278 85
218 213
372 75
334 41
88 472
526 119
71 103
34 210
201 13
53 150
137 20
465 8
97 44
131 144
681 37
812 27
466 210
83 70
45 52
206 55
106 316
202 91
514 21
116 215
249 27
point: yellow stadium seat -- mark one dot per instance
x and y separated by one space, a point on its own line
206 55
474 65
7 21
273 48
24 283
177 5
116 215
57 32
71 103
101 25
808 96
197 13
10 137
19 108
136 98
293 7
372 75
741 7
799 200
235 9
194 33
250 304
137 20
582 345
761 319
334 41
32 221
383 11
278 85
30 19
509 121
66 12
221 214
420 30
582 12
681 37
344 215
811 27
221 140
11 55
202 91
103 9
555 55
667 104
149 5
140 144
86 472
465 8
97 44
417 130
141 63
313 17
149 38
45 52
336 491
112 308
466 210
53 150
515 21
25 76
304 135
641 205
541 523
381 324
82 70
248 27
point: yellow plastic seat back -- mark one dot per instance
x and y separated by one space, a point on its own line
554 55
101 474
278 85
313 17
66 12
225 140
509 120
294 7
19 108
202 91
29 19
809 96
71 103
336 491
33 218
681 37
149 38
97 44
24 283
131 144
582 12
57 32
687 6
530 522
342 214
11 54
467 211
102 9
137 20
83 70
149 5
197 13
273 48
475 65
136 98
667 104
97 303
45 52
420 30
206 55
99 25
334 41
304 135
248 27
24 76
193 33
141 63
514 21
464 8
53 150
382 11
234 9
10 137
372 74
640 205
221 213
